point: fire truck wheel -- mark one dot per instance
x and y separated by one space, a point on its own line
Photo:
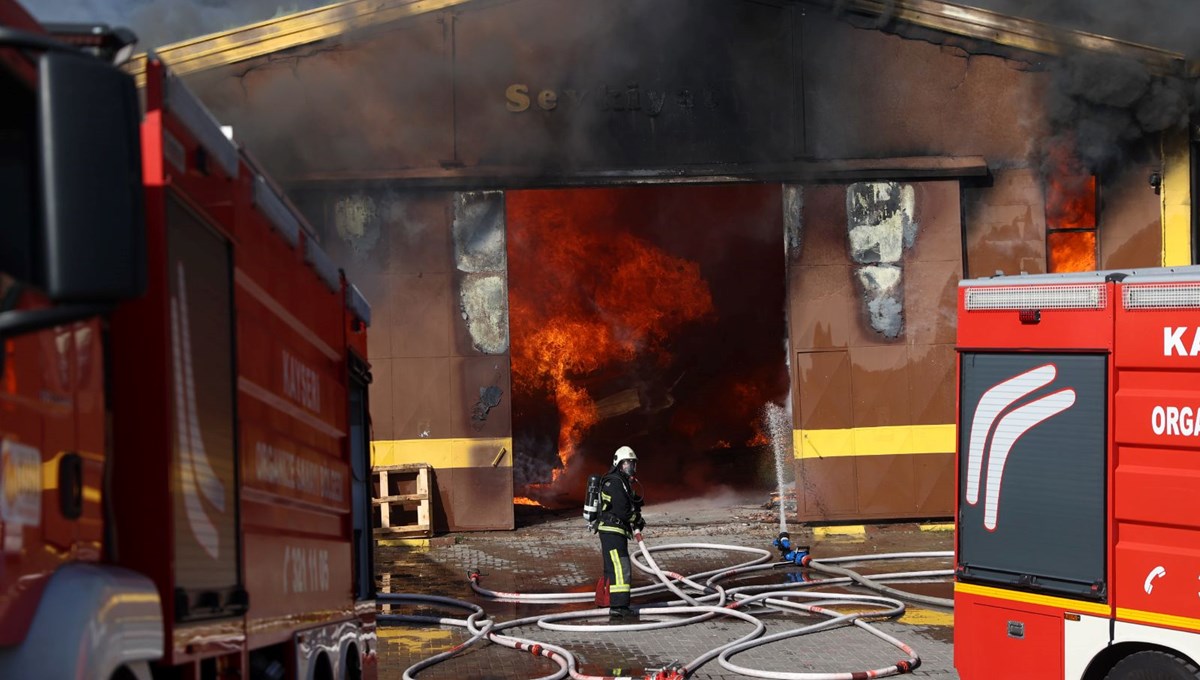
1152 666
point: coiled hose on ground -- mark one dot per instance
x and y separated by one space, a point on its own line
698 601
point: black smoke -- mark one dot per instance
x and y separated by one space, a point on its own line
1111 107
1109 110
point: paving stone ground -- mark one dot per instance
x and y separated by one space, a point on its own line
553 552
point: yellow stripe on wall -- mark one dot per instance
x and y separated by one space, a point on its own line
1176 194
874 441
1096 608
444 453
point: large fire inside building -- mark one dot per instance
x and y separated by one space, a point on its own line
587 224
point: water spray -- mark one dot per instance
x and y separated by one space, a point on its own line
778 420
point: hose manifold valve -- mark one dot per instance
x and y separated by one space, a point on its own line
789 552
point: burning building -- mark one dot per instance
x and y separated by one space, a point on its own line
585 224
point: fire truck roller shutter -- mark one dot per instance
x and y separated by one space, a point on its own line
206 546
1032 471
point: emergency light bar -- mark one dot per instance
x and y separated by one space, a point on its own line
1161 296
1090 296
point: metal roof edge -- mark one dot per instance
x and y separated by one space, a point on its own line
1010 31
293 30
282 33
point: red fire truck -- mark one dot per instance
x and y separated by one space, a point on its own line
1078 533
183 391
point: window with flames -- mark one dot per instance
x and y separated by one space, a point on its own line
1071 224
1071 213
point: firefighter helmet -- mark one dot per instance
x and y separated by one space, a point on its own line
623 454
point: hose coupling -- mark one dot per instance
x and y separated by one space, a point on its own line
783 542
672 671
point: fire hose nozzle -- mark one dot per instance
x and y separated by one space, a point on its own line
783 542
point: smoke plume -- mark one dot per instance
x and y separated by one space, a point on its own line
1107 108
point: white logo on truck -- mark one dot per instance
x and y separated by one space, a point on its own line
1174 345
1157 572
995 429
195 471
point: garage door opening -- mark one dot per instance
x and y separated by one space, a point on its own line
648 316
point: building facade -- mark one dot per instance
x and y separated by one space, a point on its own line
585 224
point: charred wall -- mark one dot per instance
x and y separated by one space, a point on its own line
434 267
872 296
537 87
869 94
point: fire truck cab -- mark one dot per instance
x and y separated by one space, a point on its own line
183 392
1077 530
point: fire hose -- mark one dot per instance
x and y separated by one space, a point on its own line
706 600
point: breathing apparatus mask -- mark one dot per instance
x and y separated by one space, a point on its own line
625 460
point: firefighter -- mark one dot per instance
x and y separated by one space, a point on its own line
620 516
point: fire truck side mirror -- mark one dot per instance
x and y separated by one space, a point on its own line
93 233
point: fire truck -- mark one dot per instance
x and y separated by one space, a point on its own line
1078 524
183 391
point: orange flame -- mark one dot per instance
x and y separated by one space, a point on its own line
1070 205
585 294
521 500
1070 189
1071 202
1071 251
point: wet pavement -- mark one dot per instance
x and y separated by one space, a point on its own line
553 552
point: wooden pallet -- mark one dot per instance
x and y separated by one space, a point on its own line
402 499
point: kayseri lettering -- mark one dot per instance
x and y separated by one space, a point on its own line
301 384
520 97
1174 345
